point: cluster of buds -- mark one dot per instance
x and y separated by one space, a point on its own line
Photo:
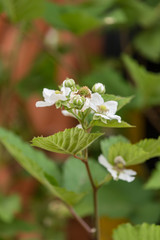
76 100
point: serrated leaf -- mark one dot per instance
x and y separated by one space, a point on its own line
122 101
154 180
138 232
38 165
9 206
108 142
71 141
131 153
152 146
110 124
147 82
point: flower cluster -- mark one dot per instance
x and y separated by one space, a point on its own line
79 102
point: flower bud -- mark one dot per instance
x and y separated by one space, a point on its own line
69 82
78 101
99 88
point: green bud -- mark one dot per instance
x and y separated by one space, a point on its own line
69 82
58 104
99 88
78 101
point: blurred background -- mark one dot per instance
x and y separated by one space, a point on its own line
115 42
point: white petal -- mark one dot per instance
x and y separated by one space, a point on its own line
79 126
86 105
126 177
66 91
111 116
67 114
129 172
43 104
103 161
96 99
111 106
102 115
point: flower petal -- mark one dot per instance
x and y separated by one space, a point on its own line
103 161
126 177
67 114
111 116
43 104
96 100
111 106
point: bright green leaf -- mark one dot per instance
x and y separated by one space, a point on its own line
71 141
154 180
110 124
38 165
138 232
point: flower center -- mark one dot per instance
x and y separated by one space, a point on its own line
58 92
119 163
102 109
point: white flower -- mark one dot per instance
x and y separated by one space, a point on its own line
52 96
99 88
103 109
117 170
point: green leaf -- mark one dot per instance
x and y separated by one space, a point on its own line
147 82
75 177
111 78
38 165
117 200
143 42
110 124
15 227
122 101
135 153
154 180
70 17
71 141
22 10
108 142
9 206
138 232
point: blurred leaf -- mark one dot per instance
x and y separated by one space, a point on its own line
122 101
70 17
71 141
117 200
110 124
150 145
75 177
143 42
154 180
22 10
38 165
40 76
108 142
116 17
9 206
148 83
111 78
15 227
139 232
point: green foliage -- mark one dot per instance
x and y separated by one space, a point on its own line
111 78
132 153
108 142
15 227
138 232
41 75
154 180
8 207
148 91
71 141
122 101
22 10
147 44
38 165
110 124
75 176
63 17
117 200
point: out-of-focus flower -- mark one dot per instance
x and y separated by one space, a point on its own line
118 170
